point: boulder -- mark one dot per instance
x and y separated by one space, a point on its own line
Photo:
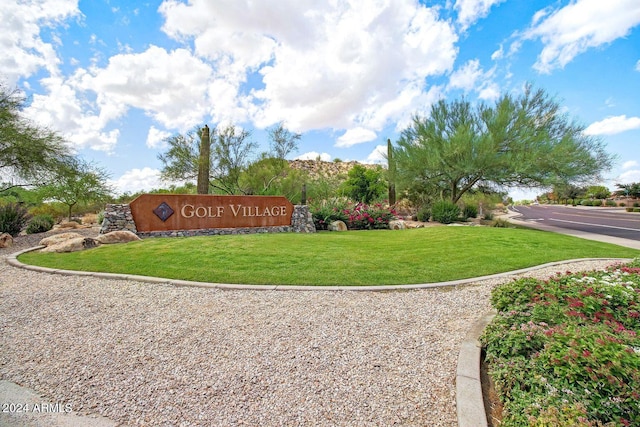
73 245
69 224
58 238
121 236
6 240
337 226
397 225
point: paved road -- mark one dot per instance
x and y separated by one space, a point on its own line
614 222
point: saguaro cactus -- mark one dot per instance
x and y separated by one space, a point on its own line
204 162
392 174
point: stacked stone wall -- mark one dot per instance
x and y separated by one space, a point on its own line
118 217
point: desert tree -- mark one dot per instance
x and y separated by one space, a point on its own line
81 182
521 140
283 141
30 155
230 150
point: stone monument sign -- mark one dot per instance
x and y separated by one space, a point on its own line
163 212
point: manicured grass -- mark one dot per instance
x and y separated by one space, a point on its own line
378 257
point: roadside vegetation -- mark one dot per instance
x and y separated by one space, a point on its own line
566 351
376 257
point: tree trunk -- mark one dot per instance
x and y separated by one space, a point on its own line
203 162
392 174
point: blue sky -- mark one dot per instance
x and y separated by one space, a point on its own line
117 77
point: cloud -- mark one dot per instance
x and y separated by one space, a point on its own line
630 164
471 77
313 155
377 156
24 52
156 137
136 180
68 111
469 11
638 65
170 86
579 26
613 125
319 64
629 177
355 136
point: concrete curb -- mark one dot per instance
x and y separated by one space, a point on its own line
13 261
469 400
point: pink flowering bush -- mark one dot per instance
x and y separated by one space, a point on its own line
357 216
566 351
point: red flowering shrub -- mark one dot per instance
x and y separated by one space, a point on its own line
566 351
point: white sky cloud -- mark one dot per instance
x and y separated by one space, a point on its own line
470 11
313 155
322 64
630 164
24 51
613 125
471 77
378 155
629 176
579 26
156 137
355 136
135 180
170 86
638 65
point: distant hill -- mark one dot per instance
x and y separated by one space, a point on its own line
317 168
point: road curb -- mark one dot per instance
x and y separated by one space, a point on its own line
469 400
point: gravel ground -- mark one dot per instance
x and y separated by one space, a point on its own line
156 355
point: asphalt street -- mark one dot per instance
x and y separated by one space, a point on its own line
612 222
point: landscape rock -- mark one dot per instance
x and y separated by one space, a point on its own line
58 238
6 240
73 245
122 236
397 225
337 226
69 224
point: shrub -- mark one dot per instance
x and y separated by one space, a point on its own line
564 351
365 217
470 211
636 209
488 215
610 203
327 211
100 217
622 205
636 204
40 224
445 212
424 214
501 223
13 218
628 209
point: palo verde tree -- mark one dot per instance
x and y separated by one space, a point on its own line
81 182
283 141
230 152
519 141
30 155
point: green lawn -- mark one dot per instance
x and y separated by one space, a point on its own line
380 257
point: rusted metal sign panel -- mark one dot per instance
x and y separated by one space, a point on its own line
163 212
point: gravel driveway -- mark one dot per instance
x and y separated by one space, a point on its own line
156 355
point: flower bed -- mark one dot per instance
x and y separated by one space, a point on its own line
357 216
566 351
